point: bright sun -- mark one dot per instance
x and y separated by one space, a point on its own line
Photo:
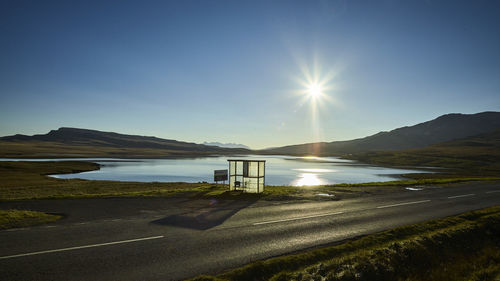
314 90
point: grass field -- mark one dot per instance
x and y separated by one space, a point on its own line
463 247
21 218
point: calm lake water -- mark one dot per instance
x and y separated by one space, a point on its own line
280 170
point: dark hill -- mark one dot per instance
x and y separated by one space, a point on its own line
478 155
74 136
78 142
444 128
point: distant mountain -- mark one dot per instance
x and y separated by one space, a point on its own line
444 128
70 142
476 155
227 145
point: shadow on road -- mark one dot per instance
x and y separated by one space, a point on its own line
211 214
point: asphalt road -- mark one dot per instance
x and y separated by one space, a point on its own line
171 239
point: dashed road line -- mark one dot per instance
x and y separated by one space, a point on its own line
81 247
299 218
493 191
460 196
402 204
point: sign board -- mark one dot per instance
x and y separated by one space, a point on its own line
220 175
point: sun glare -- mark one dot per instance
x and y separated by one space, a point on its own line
318 91
308 179
314 90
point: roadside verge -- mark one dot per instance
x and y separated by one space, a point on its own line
462 247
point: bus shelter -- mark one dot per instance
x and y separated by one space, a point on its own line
247 175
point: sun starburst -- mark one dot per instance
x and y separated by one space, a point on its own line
317 90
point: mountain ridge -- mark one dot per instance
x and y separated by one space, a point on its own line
77 142
441 129
226 145
478 154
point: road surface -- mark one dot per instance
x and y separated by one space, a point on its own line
172 239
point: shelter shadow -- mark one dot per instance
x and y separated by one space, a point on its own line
204 218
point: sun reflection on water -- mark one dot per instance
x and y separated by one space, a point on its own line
311 176
308 179
315 170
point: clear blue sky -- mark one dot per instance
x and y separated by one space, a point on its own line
231 71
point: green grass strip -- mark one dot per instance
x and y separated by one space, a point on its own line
22 218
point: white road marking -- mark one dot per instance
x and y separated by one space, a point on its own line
459 196
402 204
299 218
494 191
81 247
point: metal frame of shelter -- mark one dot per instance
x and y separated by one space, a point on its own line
247 175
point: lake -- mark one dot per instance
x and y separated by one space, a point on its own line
280 170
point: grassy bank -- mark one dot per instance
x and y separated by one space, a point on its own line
22 218
463 247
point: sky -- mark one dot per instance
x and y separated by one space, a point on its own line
242 71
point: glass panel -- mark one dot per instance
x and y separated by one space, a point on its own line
253 169
238 184
261 169
231 175
245 168
239 167
251 185
232 168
